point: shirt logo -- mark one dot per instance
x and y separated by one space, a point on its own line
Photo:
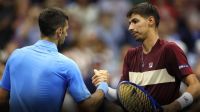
183 66
150 64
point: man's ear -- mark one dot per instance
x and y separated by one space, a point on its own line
151 21
59 32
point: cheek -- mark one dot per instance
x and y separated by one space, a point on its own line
63 35
142 27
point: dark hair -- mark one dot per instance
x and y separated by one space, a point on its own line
50 19
145 10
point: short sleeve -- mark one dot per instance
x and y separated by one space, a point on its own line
176 61
77 87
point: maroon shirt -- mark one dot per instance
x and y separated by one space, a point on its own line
159 72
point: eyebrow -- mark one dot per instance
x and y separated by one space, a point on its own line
134 19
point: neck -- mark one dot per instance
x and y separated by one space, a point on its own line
150 41
51 39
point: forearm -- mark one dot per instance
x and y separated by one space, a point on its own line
194 88
93 102
112 94
191 93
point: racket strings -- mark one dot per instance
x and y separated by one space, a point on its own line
133 99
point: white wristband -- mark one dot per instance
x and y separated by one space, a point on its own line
111 94
185 99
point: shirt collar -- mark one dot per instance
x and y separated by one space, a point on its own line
47 45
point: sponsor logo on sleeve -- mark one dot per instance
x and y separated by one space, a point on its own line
183 66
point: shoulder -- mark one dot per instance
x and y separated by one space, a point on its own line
66 61
17 53
21 50
168 44
64 58
172 50
133 51
68 65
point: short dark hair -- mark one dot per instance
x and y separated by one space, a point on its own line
50 19
145 9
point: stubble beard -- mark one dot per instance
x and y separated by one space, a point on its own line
61 41
139 39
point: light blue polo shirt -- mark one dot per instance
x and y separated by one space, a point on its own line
38 76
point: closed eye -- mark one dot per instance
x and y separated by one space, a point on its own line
133 21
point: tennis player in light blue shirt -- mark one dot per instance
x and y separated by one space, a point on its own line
37 77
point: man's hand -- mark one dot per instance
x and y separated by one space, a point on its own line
100 76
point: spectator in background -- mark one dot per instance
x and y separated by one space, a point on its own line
28 31
7 17
85 11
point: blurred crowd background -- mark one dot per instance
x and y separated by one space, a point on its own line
98 32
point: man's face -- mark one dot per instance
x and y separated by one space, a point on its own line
138 27
64 34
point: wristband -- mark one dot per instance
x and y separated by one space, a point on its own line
103 86
185 99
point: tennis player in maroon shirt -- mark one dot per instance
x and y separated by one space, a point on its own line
157 65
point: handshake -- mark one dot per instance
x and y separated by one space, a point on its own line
100 80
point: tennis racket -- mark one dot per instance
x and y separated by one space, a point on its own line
135 99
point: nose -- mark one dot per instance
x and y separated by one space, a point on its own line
131 27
